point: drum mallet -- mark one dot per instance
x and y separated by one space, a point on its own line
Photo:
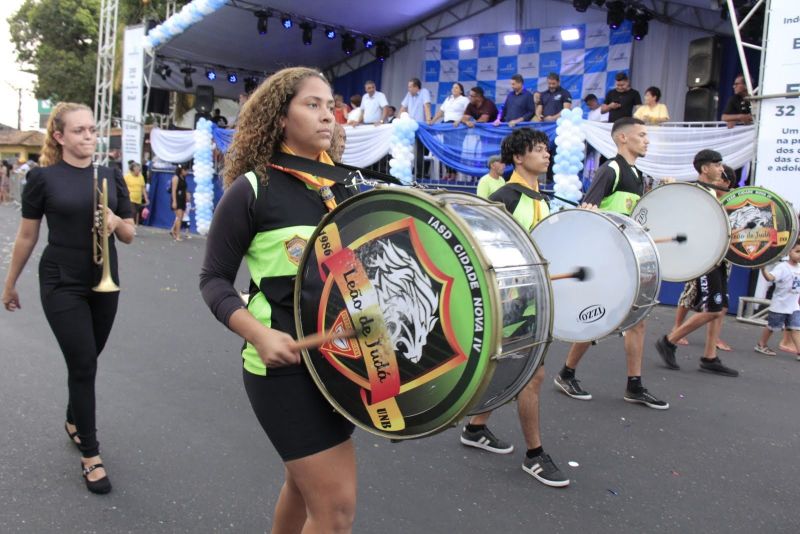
314 341
581 274
680 238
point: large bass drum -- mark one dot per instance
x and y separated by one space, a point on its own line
763 226
622 265
449 299
693 212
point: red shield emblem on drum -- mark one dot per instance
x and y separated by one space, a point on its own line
387 287
753 228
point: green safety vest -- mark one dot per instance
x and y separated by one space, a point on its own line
619 201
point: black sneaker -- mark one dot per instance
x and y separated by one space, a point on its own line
572 387
484 439
715 366
667 352
646 398
543 469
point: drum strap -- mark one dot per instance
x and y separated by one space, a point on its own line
339 173
527 191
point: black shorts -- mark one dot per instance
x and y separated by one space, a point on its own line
712 291
296 417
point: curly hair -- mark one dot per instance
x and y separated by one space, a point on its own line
258 131
51 149
519 142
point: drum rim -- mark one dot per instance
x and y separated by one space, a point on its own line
495 340
665 278
793 235
604 215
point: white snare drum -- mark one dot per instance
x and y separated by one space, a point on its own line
624 276
681 208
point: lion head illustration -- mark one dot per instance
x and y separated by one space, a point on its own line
406 297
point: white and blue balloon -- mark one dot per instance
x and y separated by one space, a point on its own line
570 153
402 148
203 176
189 15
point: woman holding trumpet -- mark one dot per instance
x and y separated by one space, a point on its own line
79 299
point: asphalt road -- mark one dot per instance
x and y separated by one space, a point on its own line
186 454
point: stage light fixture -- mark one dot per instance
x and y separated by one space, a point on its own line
368 42
348 43
641 25
211 74
512 39
164 71
307 28
187 76
330 33
262 17
616 14
382 50
286 22
581 5
570 34
466 43
233 77
250 84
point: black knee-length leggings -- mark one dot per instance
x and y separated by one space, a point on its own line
81 320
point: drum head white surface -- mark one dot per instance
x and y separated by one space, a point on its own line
596 307
688 209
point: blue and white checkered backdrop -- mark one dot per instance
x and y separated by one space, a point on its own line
587 65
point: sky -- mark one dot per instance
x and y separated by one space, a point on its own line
12 79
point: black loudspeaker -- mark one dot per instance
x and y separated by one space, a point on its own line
158 102
204 98
703 65
701 105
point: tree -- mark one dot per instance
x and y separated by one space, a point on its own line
56 40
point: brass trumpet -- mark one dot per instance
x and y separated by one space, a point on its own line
100 231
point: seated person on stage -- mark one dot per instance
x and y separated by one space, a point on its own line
617 186
453 107
526 149
784 310
519 105
652 112
553 101
493 180
595 113
737 110
711 300
340 109
355 114
480 109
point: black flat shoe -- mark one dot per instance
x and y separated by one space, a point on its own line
100 486
72 435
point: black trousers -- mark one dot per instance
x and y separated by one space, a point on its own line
81 320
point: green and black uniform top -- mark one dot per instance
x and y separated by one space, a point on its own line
269 226
617 186
63 194
527 205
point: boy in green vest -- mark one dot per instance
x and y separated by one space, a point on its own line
617 187
526 149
